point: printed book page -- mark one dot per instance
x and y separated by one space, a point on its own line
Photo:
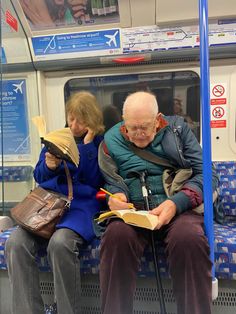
60 143
139 218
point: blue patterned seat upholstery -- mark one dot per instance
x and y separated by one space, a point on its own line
226 171
225 238
225 249
225 255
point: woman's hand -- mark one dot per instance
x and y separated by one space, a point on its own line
118 202
52 161
89 136
37 12
165 212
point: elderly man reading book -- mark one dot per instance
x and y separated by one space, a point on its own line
122 245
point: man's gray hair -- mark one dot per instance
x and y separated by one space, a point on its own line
139 100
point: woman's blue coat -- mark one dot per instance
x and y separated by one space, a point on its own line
86 180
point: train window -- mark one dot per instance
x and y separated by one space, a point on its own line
177 94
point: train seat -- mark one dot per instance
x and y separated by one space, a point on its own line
225 238
16 173
226 171
90 258
225 249
225 257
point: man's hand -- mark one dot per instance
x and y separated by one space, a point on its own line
52 162
118 202
165 212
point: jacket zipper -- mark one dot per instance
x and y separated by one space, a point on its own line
177 141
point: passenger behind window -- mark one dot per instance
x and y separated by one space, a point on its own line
75 228
111 116
178 110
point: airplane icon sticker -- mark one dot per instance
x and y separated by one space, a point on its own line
18 87
112 39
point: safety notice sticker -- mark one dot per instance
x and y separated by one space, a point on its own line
218 94
218 105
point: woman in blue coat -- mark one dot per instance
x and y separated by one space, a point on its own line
74 229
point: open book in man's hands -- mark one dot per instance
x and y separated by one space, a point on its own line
138 218
60 143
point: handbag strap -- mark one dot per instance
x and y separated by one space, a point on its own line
145 154
69 181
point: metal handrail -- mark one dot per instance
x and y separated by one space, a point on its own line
206 133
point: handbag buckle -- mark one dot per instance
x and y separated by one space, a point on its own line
68 204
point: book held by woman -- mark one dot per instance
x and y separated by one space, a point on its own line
60 143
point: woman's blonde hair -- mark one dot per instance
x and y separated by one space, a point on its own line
84 106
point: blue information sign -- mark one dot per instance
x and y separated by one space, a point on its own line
16 143
77 42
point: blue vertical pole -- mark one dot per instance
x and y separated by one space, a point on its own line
206 131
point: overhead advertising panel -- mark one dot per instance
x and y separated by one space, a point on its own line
51 14
85 44
16 143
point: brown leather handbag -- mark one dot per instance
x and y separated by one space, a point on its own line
41 209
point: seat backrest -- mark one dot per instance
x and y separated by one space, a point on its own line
226 171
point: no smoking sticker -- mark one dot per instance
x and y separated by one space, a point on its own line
218 90
219 106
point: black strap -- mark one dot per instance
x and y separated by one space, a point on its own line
145 154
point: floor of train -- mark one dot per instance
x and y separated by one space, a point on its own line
145 300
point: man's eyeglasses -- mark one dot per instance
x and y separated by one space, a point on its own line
144 129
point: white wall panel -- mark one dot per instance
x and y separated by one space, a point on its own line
169 11
142 12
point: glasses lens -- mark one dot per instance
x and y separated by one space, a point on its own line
145 130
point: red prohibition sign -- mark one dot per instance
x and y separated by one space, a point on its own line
218 112
218 90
